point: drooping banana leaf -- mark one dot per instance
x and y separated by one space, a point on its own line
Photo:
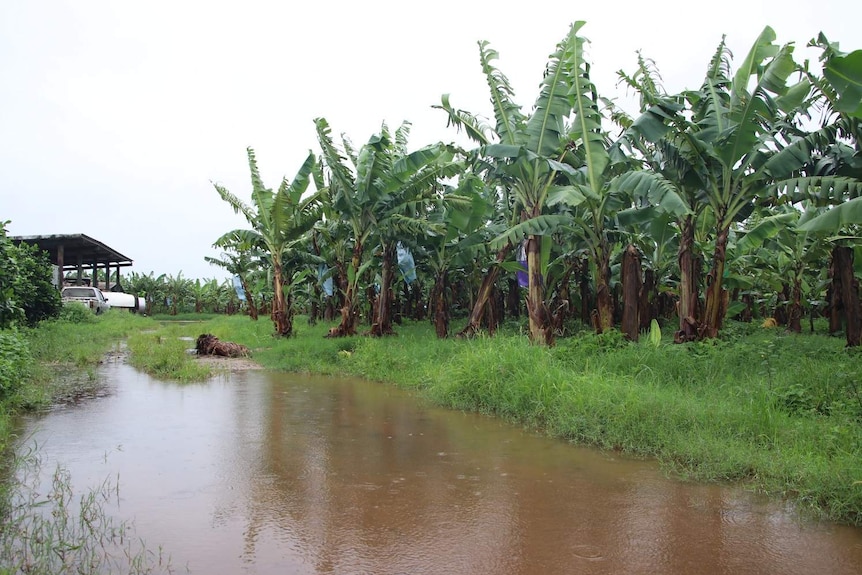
476 129
510 119
850 212
655 188
539 226
765 229
845 74
823 190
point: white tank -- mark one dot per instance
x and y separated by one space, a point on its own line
127 301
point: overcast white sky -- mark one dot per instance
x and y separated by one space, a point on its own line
117 116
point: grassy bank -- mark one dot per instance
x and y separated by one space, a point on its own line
777 412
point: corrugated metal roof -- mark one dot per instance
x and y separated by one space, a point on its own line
76 248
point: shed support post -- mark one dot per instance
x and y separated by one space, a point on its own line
60 254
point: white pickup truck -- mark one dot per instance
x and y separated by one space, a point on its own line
91 297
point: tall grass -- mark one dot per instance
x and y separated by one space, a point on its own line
166 355
82 342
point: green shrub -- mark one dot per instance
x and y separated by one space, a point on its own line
27 295
76 313
16 361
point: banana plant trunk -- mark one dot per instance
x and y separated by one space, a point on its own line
842 262
541 329
383 321
716 295
252 309
475 321
407 301
632 287
688 320
603 319
647 308
833 298
584 290
350 309
513 298
794 312
441 310
283 323
329 309
416 295
314 312
561 305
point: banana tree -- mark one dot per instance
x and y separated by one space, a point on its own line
177 291
352 188
508 114
278 220
732 148
198 290
524 155
377 190
828 172
330 240
460 219
844 218
603 183
238 262
729 144
411 185
669 191
740 127
775 251
148 286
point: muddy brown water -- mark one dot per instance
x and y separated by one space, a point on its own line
265 473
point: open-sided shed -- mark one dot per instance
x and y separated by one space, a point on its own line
75 252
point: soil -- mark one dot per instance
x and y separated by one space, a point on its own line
232 364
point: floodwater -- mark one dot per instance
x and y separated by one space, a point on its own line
266 473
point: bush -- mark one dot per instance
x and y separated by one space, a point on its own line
27 293
34 287
16 362
76 313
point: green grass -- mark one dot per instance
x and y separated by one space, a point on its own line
185 316
82 343
163 352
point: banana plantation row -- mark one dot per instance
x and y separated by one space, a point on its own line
736 198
